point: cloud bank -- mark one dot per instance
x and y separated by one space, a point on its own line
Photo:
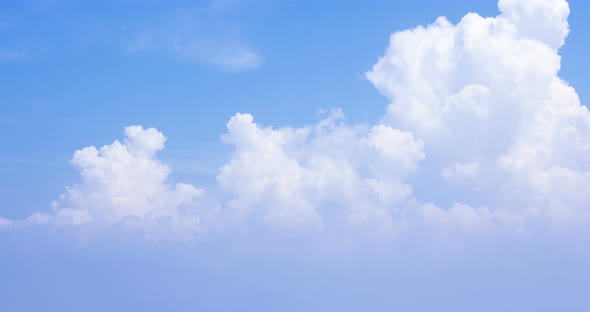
481 136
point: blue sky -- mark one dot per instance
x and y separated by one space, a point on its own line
75 85
488 234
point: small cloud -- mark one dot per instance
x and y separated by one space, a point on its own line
186 38
229 54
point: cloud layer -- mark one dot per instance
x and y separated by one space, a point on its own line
479 121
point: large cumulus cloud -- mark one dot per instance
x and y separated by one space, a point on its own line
484 94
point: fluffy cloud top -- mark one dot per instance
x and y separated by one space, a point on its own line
315 175
486 90
478 114
545 21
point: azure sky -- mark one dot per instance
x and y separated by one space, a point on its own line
269 155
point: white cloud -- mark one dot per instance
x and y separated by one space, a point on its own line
318 175
541 20
487 89
122 182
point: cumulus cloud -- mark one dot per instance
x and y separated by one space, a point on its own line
316 175
486 90
545 21
124 182
477 105
478 102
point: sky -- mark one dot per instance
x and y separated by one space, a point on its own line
297 156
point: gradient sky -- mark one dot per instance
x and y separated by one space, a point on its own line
75 74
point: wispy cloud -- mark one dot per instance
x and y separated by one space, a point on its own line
228 53
186 38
